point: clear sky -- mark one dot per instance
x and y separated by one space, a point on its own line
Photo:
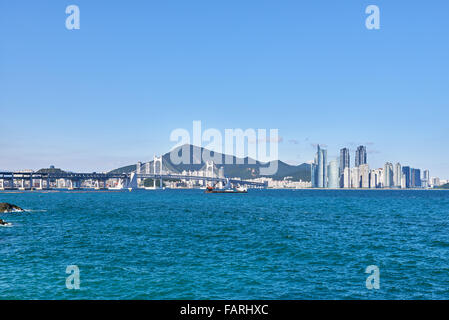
110 93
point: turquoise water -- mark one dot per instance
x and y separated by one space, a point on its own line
267 244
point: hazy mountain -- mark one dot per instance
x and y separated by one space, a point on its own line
51 170
246 168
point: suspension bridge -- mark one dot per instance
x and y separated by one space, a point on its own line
156 170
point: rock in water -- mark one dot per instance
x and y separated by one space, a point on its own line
4 223
7 207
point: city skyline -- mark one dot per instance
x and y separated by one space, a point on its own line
322 162
338 173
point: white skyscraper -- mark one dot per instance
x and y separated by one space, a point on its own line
403 182
319 169
364 175
376 178
435 182
355 178
397 175
426 179
333 181
347 178
388 175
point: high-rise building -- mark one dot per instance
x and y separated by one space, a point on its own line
360 156
355 178
403 182
425 179
376 178
388 175
397 175
314 175
426 175
435 182
347 178
406 173
364 175
345 162
333 179
319 169
415 178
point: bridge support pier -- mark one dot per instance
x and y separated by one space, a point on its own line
74 184
98 184
132 183
121 184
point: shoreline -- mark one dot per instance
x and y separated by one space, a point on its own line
199 189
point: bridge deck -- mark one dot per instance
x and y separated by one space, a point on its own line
106 176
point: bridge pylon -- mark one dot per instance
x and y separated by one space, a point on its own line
210 167
156 161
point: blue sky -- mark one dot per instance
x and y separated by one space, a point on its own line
110 93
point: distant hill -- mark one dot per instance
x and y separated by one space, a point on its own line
444 186
249 169
51 170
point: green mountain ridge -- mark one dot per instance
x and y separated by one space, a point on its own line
246 168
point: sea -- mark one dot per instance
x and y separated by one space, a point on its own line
266 244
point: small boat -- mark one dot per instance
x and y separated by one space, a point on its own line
212 190
227 189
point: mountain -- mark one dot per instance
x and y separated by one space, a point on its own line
51 170
245 168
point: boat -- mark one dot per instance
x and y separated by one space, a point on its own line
227 189
213 190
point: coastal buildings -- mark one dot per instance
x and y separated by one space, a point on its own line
360 156
319 169
406 174
286 183
347 178
339 174
388 175
425 179
415 178
333 175
364 176
435 182
345 162
397 175
355 178
376 178
403 182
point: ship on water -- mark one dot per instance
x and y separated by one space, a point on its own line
228 188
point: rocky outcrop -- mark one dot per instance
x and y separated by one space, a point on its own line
4 223
7 207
